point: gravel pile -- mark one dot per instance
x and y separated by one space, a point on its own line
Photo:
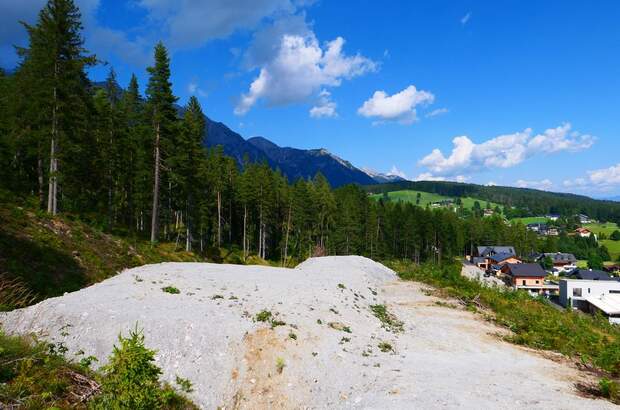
321 345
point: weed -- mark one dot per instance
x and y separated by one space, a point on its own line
280 364
292 335
344 340
275 323
385 347
334 311
263 316
341 286
214 297
319 322
388 320
171 289
185 384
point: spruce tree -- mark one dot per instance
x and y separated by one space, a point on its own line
162 118
54 64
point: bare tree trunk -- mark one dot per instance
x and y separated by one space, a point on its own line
288 228
40 180
53 182
155 213
219 218
245 242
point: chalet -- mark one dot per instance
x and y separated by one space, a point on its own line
553 232
584 219
528 276
489 212
537 227
489 256
560 260
583 232
552 217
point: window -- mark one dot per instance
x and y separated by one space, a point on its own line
614 291
577 292
523 282
588 290
537 282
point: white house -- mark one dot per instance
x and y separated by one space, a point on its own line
589 295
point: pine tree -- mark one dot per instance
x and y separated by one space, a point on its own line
163 117
54 65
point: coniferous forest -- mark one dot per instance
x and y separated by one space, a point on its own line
135 164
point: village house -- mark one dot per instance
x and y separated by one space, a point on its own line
489 256
561 261
584 219
552 217
528 276
583 232
592 295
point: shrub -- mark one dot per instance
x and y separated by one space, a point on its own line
609 389
385 347
388 320
280 364
131 379
263 316
171 289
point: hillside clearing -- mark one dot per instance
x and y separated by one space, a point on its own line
427 198
339 357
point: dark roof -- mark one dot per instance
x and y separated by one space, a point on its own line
525 270
499 257
591 275
560 257
486 251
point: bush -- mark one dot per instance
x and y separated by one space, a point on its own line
131 379
171 290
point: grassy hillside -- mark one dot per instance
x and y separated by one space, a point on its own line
531 220
607 229
43 256
528 202
427 198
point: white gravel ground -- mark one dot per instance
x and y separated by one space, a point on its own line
445 358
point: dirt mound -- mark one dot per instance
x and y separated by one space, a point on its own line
316 336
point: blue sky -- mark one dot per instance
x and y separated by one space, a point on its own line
521 93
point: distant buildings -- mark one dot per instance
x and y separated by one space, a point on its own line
584 219
583 232
601 294
542 229
565 262
490 257
528 276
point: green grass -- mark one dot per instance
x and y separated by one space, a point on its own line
531 220
613 247
602 228
532 321
426 198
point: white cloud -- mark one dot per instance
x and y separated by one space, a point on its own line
299 67
194 89
437 112
427 176
603 179
503 151
191 23
325 107
395 171
399 107
465 18
491 183
544 184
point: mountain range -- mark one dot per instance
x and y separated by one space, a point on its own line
292 162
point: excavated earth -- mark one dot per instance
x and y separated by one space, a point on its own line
324 352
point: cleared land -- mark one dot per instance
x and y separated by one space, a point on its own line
427 198
607 229
321 344
531 220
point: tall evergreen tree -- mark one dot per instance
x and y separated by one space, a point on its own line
54 64
163 117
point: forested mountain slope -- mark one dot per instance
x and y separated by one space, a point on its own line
528 202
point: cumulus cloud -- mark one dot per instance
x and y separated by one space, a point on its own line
299 67
181 24
400 107
194 89
603 179
191 23
503 151
325 107
544 184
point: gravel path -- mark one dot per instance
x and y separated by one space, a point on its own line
444 358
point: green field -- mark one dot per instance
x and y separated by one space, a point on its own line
531 220
607 229
427 198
